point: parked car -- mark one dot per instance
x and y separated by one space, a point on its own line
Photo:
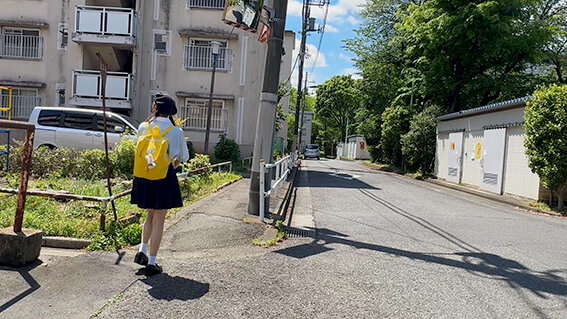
78 128
311 151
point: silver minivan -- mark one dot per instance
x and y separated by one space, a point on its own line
78 128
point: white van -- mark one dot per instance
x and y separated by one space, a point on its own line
78 128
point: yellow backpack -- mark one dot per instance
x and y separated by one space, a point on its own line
151 160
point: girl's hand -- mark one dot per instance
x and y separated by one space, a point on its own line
176 163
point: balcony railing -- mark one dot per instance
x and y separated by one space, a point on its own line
21 46
87 84
197 118
105 20
22 105
206 4
201 57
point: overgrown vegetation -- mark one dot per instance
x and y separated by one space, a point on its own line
280 236
227 150
81 173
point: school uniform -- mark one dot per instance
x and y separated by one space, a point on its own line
163 193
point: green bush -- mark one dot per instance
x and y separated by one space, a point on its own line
45 162
227 150
418 145
546 143
123 157
92 165
190 148
199 161
395 123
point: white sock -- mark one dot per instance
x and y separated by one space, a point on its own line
143 248
152 260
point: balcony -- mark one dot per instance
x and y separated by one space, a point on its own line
22 105
206 4
21 46
197 118
105 25
201 58
87 87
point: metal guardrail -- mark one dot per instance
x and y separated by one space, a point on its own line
283 168
21 46
104 200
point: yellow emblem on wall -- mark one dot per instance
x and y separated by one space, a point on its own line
477 149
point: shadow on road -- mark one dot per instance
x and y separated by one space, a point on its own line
485 264
165 287
25 273
331 179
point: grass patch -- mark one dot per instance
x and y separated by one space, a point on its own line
544 207
77 219
280 236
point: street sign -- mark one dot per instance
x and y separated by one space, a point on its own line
243 14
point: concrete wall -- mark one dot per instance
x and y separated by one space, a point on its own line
517 179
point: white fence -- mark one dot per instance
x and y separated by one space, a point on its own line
22 106
105 20
201 57
87 83
282 169
197 117
21 46
208 4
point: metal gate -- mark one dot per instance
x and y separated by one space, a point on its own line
493 160
455 153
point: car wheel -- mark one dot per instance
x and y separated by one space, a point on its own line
48 146
317 157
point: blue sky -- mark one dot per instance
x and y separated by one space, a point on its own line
332 58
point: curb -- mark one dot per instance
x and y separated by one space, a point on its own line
76 243
64 242
496 198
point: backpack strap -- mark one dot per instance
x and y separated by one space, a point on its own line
166 130
148 128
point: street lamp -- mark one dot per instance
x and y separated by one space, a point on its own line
215 51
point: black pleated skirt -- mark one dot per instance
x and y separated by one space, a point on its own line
158 194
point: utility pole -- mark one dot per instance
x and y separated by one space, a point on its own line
264 138
306 10
303 110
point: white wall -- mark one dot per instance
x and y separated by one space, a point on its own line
518 179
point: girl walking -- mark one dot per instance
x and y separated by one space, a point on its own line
157 196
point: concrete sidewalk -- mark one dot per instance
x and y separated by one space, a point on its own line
78 284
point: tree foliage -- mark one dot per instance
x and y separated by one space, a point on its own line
418 145
546 137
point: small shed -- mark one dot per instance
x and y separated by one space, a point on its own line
356 148
484 147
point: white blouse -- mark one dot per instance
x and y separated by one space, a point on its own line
177 146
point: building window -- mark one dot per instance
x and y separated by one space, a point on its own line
162 45
23 102
198 55
195 113
63 36
206 4
21 43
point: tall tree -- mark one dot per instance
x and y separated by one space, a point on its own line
337 101
469 51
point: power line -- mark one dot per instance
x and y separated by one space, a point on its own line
321 37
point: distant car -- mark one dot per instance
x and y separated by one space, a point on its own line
78 128
311 151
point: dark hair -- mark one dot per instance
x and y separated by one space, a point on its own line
153 116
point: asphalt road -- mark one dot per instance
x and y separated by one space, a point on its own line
386 247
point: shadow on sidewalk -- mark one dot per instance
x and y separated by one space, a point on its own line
165 287
25 273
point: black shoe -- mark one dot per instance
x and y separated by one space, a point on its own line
153 270
141 259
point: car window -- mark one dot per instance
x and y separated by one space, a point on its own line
49 117
312 147
111 124
79 121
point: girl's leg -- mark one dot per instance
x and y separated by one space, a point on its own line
157 232
147 230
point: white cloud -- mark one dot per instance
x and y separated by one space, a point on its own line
353 72
330 28
339 13
345 57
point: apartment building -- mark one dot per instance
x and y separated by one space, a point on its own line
48 55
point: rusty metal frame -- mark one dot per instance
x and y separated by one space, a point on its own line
26 164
